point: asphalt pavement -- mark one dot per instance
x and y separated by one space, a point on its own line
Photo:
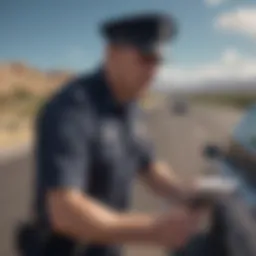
179 141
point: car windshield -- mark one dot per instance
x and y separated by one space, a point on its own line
241 151
245 133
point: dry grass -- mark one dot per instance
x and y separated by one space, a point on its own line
10 139
23 90
17 113
14 131
16 122
236 100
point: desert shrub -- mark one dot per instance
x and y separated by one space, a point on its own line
234 100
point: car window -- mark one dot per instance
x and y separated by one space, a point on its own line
245 132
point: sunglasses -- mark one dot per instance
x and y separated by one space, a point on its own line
150 58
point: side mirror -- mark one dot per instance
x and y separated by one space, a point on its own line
212 151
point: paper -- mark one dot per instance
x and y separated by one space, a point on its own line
216 186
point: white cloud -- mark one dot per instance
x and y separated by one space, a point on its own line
231 56
214 2
231 67
242 20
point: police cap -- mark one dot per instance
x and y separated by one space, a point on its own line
147 32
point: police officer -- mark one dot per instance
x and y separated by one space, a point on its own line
90 146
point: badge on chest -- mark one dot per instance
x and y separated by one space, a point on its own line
140 130
111 135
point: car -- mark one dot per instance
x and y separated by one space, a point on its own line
233 230
239 153
179 107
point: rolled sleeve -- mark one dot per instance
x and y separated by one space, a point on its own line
63 149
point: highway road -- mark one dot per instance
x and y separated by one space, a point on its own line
179 140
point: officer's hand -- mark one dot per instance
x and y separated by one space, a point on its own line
205 192
174 229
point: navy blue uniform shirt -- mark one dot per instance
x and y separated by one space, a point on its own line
87 140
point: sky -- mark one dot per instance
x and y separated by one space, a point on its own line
216 40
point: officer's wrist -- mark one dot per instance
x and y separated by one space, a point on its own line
181 192
133 228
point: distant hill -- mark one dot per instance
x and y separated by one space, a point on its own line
229 88
18 75
212 87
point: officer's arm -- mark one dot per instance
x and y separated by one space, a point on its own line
161 179
154 173
79 216
64 162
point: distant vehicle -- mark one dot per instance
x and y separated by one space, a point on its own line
179 107
233 231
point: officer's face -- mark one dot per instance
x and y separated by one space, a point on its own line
135 68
